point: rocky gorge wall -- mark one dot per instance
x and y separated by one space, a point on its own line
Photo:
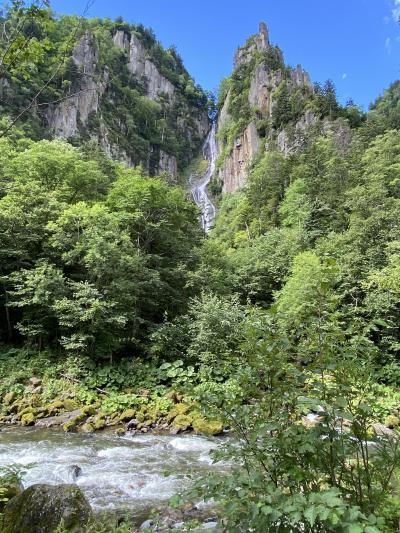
64 117
75 115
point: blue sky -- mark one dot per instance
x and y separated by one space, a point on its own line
356 43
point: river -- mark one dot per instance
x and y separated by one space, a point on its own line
130 473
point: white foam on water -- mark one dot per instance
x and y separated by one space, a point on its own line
192 444
131 472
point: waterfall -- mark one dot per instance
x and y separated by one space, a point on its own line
199 186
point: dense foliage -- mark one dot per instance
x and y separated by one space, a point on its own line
281 325
92 255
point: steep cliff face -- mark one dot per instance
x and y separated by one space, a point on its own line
141 66
265 82
234 171
64 117
133 97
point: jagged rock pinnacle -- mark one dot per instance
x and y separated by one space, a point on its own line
259 41
263 31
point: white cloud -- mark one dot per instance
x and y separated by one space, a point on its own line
388 45
344 76
396 10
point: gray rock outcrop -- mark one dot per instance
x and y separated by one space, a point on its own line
64 117
258 42
234 171
75 114
139 64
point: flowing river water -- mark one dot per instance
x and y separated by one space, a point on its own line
118 474
199 185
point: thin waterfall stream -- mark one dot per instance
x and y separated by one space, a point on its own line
199 186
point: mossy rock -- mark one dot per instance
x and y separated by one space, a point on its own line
99 422
392 421
27 411
55 407
71 425
70 405
9 398
87 428
178 409
153 412
43 508
127 415
182 422
88 410
207 427
120 432
28 419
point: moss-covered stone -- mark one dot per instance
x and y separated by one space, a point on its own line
26 411
9 398
120 432
207 427
178 409
392 421
71 424
89 410
70 405
99 422
28 419
127 415
42 509
182 422
87 428
55 407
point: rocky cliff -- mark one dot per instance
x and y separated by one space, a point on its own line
64 117
123 90
250 118
139 65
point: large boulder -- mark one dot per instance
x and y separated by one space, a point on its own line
42 508
59 420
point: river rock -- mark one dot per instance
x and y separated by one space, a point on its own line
35 382
132 423
148 524
57 420
75 471
382 431
42 508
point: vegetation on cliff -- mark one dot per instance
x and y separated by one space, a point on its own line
281 325
41 72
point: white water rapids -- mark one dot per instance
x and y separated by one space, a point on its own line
132 473
199 185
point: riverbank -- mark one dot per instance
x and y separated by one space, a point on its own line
38 390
